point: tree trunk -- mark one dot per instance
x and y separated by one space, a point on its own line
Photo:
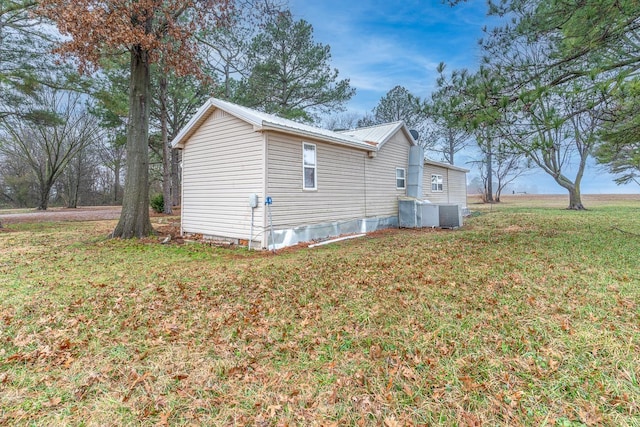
175 178
134 218
74 189
489 190
166 150
74 183
43 199
452 150
575 200
116 184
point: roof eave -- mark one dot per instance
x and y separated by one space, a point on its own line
300 132
401 125
192 125
446 166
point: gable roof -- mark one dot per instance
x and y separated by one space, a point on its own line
379 134
369 139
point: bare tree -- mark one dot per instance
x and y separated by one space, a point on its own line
504 165
18 187
341 121
76 181
48 146
111 152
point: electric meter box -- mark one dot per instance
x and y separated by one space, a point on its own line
253 200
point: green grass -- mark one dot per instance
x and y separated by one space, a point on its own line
526 316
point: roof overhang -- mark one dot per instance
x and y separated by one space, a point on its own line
201 115
445 165
276 127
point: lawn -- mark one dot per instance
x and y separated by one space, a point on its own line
529 315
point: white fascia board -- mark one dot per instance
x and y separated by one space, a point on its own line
400 126
446 166
190 127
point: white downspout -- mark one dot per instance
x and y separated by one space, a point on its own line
265 178
182 195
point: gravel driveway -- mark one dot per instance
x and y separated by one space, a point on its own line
88 213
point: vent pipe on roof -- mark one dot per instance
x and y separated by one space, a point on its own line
416 169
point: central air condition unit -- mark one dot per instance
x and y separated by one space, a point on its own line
413 213
430 215
408 213
450 216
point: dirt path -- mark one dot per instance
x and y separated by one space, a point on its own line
85 213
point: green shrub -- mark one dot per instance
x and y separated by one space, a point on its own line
157 203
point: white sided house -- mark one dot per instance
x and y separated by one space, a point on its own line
252 177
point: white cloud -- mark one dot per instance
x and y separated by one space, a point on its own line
379 45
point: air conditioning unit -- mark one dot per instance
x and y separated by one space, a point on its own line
450 216
430 215
408 213
414 213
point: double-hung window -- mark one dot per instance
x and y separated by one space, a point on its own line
436 183
401 182
309 166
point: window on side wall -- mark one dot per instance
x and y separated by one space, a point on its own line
436 183
309 166
401 182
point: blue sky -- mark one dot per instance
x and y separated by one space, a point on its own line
379 44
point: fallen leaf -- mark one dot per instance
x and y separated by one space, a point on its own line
391 422
375 351
54 401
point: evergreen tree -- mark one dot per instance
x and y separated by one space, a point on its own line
290 73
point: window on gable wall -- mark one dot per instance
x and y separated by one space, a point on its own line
401 181
436 183
309 166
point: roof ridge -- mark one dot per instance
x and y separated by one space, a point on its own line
372 126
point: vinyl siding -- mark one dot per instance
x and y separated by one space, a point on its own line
382 195
457 187
454 186
222 166
340 193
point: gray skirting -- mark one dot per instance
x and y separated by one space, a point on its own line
316 232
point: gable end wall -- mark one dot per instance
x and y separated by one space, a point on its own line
382 194
223 165
454 186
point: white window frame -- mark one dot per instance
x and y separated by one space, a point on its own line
403 178
438 185
314 166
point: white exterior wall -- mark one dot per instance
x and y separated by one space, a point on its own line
454 186
222 165
382 195
340 193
